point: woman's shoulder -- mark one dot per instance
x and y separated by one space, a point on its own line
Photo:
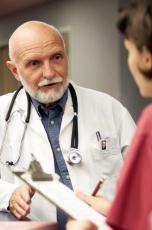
147 111
145 119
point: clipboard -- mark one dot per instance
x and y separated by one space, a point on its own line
64 198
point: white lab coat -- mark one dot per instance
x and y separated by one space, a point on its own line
97 112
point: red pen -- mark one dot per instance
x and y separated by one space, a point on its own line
98 186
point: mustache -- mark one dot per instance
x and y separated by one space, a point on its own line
49 82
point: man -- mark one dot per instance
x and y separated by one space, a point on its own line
39 61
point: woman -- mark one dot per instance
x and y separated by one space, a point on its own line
133 202
132 206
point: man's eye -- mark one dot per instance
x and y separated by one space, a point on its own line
57 56
34 63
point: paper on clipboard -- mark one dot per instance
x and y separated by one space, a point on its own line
65 199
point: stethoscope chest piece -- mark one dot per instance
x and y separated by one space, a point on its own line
74 156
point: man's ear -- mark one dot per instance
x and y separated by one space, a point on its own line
146 59
12 67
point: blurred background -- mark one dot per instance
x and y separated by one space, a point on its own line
97 58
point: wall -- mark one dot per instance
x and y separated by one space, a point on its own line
98 58
93 38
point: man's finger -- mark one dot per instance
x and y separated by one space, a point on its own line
26 193
18 210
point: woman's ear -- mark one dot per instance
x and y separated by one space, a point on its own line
12 67
146 59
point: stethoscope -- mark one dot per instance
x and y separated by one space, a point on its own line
73 156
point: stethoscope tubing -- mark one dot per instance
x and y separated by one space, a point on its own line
74 137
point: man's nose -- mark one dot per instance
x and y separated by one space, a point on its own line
48 71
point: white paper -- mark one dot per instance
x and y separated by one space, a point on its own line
64 198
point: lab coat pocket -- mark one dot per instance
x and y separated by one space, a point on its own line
107 163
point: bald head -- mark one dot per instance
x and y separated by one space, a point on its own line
39 61
31 31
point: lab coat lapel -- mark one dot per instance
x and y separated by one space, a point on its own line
35 121
68 113
36 124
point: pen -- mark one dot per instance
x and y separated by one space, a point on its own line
98 186
98 135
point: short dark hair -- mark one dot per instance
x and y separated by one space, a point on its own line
135 23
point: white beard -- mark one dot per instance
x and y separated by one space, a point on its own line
46 97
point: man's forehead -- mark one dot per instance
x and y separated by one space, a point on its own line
39 42
27 50
36 42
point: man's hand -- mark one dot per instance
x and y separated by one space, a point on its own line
99 203
19 203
